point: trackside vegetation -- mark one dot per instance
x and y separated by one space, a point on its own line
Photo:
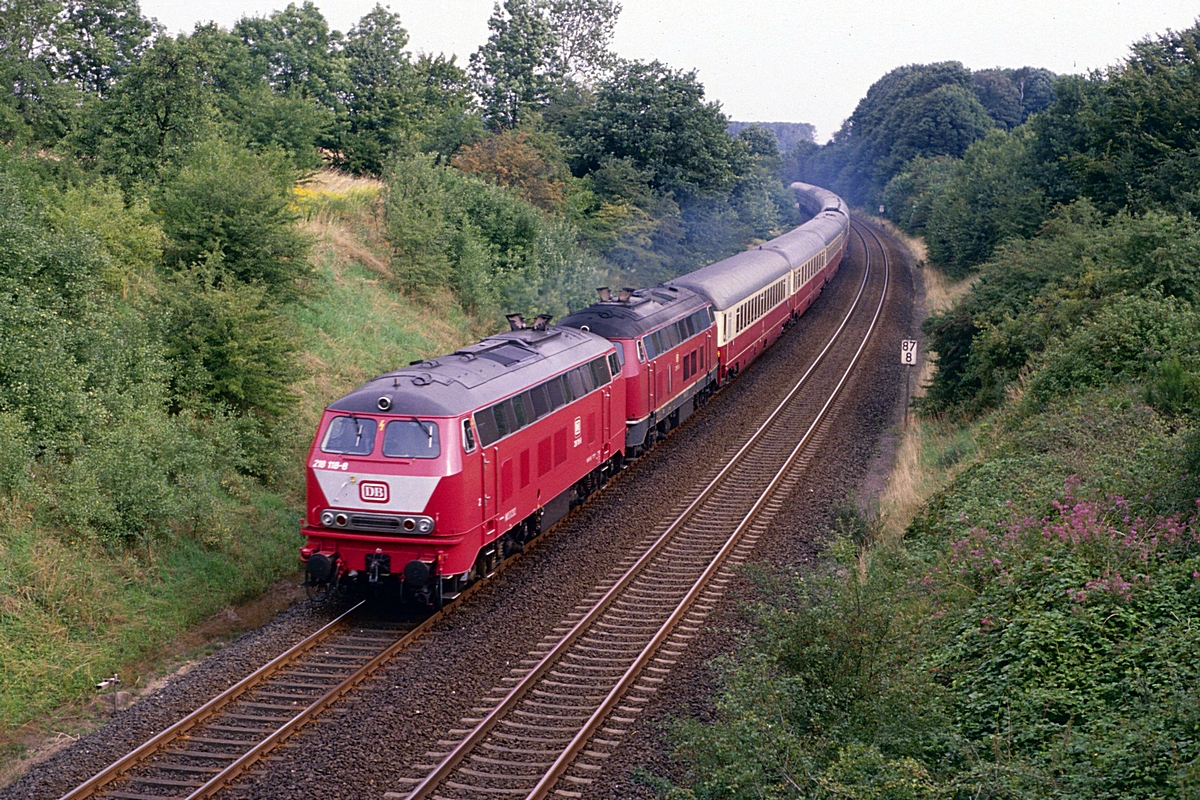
207 236
1032 631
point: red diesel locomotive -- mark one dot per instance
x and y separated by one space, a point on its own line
668 346
439 470
432 474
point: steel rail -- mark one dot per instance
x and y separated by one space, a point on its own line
521 688
577 744
206 711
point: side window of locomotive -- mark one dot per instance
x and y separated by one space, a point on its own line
576 381
558 397
614 363
350 436
505 424
641 351
468 436
409 438
540 396
600 374
523 406
485 423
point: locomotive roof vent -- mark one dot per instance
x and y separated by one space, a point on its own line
516 322
605 294
542 322
626 293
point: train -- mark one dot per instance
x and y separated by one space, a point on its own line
428 477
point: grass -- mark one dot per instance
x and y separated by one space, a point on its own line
72 612
931 452
358 325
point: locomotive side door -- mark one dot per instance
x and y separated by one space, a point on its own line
652 384
491 458
605 413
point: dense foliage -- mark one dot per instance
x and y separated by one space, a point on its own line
1034 634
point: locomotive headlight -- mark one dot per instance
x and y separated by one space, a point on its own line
425 525
327 519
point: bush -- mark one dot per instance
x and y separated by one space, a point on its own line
229 347
15 453
227 201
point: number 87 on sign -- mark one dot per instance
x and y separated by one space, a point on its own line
908 351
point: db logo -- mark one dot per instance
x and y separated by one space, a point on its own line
373 492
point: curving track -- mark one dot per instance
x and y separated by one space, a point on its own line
601 665
558 717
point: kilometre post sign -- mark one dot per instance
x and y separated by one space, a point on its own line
908 351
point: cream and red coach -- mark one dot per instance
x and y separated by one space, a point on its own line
431 474
758 293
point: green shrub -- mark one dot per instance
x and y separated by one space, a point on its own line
15 453
229 202
228 345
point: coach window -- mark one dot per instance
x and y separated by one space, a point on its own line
411 438
468 436
350 436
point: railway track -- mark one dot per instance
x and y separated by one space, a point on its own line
591 676
203 752
561 713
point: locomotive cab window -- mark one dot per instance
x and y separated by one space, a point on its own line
641 351
350 436
411 438
468 436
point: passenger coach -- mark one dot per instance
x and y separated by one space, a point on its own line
758 293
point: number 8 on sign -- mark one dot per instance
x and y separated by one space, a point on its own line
908 351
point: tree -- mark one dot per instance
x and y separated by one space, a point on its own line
658 119
530 164
158 110
515 71
992 195
583 31
381 74
298 54
105 38
918 110
36 100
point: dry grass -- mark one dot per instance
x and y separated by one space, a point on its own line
331 181
921 466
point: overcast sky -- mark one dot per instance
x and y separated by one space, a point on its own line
786 60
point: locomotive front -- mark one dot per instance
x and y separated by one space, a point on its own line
383 471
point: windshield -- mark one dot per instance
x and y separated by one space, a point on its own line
351 436
410 438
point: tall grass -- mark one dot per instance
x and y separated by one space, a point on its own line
931 451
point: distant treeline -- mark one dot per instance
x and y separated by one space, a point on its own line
787 134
